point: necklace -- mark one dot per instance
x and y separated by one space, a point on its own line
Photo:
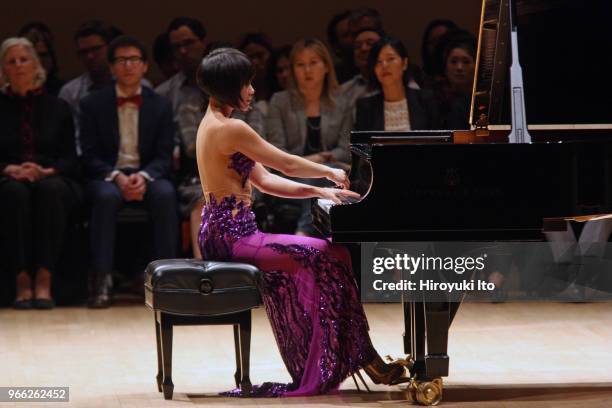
314 123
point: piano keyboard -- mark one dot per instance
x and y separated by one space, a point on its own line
326 204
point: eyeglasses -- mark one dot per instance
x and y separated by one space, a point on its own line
82 52
134 60
187 43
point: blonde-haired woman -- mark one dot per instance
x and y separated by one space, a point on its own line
37 160
310 118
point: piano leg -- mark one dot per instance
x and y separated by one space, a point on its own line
454 307
414 335
426 337
426 327
437 322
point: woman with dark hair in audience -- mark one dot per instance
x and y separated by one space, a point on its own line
281 65
340 40
397 107
257 47
432 61
307 285
310 119
40 36
37 159
453 90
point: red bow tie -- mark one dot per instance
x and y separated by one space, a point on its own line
136 100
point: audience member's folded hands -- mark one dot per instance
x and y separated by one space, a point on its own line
133 187
28 171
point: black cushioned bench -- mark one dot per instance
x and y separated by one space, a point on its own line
192 292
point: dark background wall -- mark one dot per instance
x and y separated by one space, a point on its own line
283 21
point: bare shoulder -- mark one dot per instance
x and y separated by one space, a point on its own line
231 134
236 126
238 130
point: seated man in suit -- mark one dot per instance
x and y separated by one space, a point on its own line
127 134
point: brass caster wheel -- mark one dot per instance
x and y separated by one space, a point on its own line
427 393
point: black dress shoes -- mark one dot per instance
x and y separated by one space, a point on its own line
100 301
101 292
23 304
43 304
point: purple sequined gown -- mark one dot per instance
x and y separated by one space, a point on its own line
307 285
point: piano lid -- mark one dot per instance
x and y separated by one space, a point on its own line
565 51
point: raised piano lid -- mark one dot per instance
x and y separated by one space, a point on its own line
564 50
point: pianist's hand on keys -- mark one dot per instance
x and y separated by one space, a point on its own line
339 177
333 196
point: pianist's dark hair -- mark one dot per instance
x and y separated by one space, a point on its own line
223 73
373 58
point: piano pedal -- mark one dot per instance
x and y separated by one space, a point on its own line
358 374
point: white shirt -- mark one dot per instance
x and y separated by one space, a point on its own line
128 155
397 117
128 113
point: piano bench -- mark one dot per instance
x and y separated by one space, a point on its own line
191 292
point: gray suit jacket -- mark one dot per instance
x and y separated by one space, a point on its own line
286 125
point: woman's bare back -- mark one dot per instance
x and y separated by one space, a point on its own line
221 167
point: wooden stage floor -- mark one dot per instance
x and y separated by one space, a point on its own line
501 355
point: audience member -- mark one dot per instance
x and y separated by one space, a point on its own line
399 107
36 27
127 134
259 51
310 118
453 90
340 40
42 39
432 63
164 56
37 165
364 18
281 66
91 39
359 86
188 42
257 47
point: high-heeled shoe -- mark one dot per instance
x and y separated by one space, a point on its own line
386 373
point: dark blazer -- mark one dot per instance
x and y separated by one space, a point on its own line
370 114
53 132
99 123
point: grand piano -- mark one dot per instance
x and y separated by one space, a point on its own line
539 148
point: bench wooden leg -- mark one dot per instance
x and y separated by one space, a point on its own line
245 349
166 342
238 373
160 368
